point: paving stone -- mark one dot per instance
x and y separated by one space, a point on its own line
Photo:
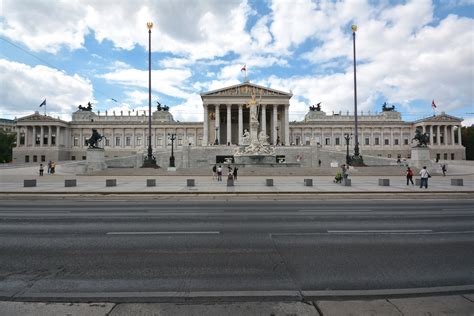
53 309
217 309
357 308
436 305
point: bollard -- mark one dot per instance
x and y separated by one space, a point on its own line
151 182
269 182
457 182
111 182
308 182
70 183
29 183
230 182
190 182
384 182
346 182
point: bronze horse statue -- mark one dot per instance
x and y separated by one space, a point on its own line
422 138
94 140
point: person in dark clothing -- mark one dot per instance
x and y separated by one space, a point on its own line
409 176
235 173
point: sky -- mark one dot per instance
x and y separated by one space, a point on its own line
409 53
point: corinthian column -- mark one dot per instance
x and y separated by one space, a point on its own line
229 131
205 136
241 124
264 119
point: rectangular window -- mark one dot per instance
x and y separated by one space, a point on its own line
84 157
22 138
377 141
180 141
159 142
45 140
452 156
117 141
27 158
445 156
367 141
73 157
396 141
387 141
389 156
139 141
107 142
75 141
328 141
128 141
37 141
337 141
84 141
43 158
53 139
438 156
35 158
406 141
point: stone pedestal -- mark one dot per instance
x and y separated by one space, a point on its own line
420 156
95 160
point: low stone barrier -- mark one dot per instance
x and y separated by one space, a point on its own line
457 182
269 182
230 182
111 182
151 182
346 182
29 183
384 182
308 182
190 182
70 183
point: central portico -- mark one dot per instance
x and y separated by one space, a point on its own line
226 114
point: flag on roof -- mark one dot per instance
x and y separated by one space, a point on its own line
433 105
43 103
244 68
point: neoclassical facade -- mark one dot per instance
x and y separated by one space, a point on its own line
226 116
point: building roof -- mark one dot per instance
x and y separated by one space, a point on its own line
443 117
246 89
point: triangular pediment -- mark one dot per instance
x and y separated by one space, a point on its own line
36 117
246 89
441 118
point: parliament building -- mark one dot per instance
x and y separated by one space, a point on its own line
319 136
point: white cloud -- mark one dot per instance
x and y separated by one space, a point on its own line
25 87
189 111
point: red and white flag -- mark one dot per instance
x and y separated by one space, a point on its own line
244 68
433 105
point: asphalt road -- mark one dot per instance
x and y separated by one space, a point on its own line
114 248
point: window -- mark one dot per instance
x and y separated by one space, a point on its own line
22 138
73 157
128 141
445 156
27 158
389 156
139 141
45 140
35 158
107 142
452 156
337 141
117 141
367 141
396 141
406 141
43 158
37 141
377 141
328 141
53 139
386 141
84 141
180 141
84 157
75 141
438 157
159 142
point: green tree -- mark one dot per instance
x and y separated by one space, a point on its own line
467 139
7 141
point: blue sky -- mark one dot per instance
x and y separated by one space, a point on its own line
73 52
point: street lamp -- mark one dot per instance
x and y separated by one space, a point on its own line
217 140
172 137
357 158
347 137
150 161
278 136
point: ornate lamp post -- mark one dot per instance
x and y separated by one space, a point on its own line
347 137
357 158
150 161
172 137
278 136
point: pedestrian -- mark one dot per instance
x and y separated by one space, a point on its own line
49 167
214 172
345 175
53 167
229 169
319 163
235 173
424 174
219 173
41 169
443 168
410 176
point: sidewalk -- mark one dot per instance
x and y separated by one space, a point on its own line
459 305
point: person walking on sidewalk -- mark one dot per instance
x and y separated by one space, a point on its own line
424 174
214 172
49 167
443 168
219 173
409 176
41 169
235 173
